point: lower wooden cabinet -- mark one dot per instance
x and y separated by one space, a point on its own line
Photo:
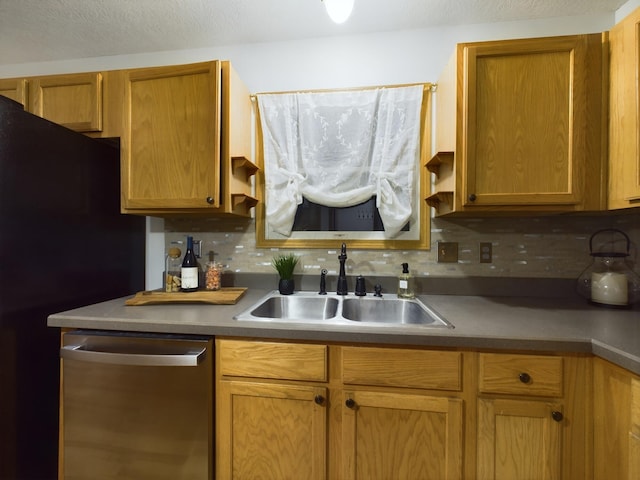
271 431
634 434
389 435
533 417
616 425
290 410
519 439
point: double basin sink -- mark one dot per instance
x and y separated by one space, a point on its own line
308 307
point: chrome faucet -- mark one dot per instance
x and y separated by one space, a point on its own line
342 277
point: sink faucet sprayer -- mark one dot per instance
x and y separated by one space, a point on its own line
323 282
342 277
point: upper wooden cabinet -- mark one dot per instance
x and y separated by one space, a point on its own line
186 138
74 101
15 89
624 118
520 127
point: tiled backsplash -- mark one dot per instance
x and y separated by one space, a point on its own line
535 247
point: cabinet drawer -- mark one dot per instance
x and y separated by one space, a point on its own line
286 361
402 368
521 374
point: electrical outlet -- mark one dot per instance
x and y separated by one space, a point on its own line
197 248
447 252
486 253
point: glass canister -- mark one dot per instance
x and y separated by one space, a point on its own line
212 274
173 264
610 280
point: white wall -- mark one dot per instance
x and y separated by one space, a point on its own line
626 9
384 58
374 59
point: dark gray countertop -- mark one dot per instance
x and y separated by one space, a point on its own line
544 324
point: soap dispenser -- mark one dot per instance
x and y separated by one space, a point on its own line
405 283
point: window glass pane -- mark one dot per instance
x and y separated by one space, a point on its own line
363 217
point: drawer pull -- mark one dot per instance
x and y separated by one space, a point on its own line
525 377
350 403
557 416
319 399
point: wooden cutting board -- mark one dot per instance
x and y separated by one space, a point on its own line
224 296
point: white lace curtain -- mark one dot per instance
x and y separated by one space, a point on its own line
338 149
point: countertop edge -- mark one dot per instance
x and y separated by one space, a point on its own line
531 325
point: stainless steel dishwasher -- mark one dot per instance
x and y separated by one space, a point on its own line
136 406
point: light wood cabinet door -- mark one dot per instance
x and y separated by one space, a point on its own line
634 434
171 140
624 117
528 113
611 421
529 127
74 101
271 431
519 439
16 89
401 436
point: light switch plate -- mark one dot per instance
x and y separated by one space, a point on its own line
447 252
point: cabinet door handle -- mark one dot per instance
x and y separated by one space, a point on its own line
472 197
557 416
524 377
319 399
210 200
350 403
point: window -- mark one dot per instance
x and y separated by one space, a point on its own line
314 197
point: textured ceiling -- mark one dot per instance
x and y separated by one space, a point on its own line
42 30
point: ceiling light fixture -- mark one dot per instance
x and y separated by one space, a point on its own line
339 10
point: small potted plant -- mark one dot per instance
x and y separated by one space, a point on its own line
285 265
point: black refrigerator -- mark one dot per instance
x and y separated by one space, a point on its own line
63 244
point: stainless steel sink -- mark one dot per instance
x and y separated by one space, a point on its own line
309 307
297 307
390 311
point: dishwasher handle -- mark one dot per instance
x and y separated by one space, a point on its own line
189 358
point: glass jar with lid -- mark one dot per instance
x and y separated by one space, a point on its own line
213 274
173 264
610 280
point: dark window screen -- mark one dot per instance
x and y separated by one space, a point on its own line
363 217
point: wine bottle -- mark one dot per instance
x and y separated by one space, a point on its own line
189 270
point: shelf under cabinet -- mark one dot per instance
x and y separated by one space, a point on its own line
441 201
438 160
243 163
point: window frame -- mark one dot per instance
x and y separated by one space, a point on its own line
334 239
